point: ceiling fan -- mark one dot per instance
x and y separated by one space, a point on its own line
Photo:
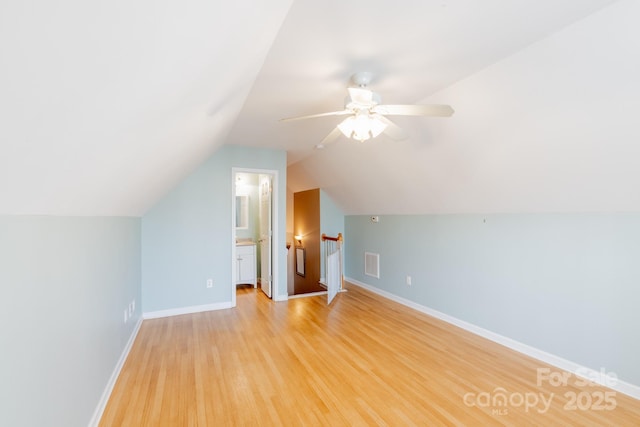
367 116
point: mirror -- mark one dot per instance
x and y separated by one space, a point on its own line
242 212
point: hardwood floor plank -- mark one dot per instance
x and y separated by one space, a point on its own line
362 361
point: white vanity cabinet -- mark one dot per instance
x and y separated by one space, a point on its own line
246 265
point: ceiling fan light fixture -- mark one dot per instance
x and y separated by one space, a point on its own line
346 127
377 126
362 137
362 127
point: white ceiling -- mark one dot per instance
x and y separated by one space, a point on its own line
414 48
106 107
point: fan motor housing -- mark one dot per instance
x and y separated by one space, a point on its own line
350 104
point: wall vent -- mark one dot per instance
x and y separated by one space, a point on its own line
372 264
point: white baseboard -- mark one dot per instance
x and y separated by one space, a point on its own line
104 399
629 389
187 310
281 297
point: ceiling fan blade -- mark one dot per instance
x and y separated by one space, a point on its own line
392 130
414 110
360 95
333 135
311 116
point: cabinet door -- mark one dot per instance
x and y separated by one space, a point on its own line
246 264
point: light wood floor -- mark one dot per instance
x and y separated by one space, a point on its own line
363 361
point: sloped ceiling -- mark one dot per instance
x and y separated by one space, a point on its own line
105 107
510 69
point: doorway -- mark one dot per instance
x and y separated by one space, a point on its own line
254 230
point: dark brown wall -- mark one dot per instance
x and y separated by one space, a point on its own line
306 222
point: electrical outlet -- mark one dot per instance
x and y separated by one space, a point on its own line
134 305
130 309
408 280
209 283
125 315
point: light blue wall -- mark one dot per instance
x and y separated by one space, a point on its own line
64 285
331 220
331 217
186 237
566 284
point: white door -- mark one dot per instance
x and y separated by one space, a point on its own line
265 234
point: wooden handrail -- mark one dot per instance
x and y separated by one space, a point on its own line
335 239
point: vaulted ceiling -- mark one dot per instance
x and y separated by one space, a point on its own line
105 107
